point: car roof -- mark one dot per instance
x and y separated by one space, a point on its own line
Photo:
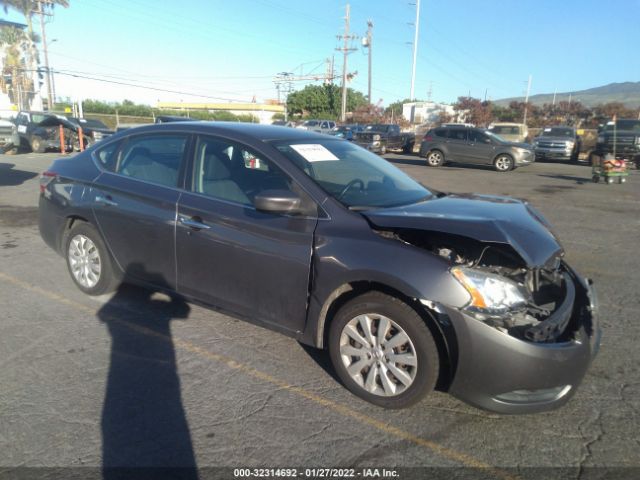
253 130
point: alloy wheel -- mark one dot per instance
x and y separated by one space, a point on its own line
434 159
84 261
503 163
378 355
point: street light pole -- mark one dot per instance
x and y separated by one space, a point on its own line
50 97
415 50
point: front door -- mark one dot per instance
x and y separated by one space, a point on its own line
253 263
134 202
481 148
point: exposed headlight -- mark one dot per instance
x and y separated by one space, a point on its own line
490 293
569 145
376 138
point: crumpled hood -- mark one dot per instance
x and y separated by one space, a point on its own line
56 120
484 218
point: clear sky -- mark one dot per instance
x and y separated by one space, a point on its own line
231 49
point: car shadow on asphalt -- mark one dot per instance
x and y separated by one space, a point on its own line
11 178
145 433
414 161
570 178
322 359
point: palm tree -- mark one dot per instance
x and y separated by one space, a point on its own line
28 8
15 44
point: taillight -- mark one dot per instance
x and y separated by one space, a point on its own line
45 179
428 138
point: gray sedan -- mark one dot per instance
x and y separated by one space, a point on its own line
473 146
321 240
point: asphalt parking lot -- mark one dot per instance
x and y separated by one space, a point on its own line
142 380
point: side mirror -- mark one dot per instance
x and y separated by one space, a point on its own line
277 201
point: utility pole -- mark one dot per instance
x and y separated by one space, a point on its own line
555 91
366 42
49 79
345 52
415 50
526 100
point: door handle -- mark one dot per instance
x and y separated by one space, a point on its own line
194 223
101 199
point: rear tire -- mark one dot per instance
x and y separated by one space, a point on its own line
435 158
88 260
408 148
394 369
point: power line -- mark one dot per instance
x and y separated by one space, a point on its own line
157 89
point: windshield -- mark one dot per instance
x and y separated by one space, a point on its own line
506 130
84 122
376 128
38 117
311 123
558 132
357 178
633 125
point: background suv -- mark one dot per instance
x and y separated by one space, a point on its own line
557 143
473 145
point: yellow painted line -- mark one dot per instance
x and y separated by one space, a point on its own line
446 452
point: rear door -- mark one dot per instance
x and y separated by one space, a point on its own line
457 144
253 263
134 203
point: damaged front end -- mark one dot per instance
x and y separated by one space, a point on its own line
528 303
528 333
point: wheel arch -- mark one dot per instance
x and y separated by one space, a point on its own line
67 225
442 332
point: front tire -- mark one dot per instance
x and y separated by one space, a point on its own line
37 145
503 163
88 260
435 158
383 351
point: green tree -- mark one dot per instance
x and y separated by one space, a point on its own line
323 101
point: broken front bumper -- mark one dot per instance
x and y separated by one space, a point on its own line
501 373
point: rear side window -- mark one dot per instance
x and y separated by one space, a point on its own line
153 158
478 137
107 156
440 132
457 134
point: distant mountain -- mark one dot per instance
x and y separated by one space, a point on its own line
627 93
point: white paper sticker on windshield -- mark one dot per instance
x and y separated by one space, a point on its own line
314 153
547 129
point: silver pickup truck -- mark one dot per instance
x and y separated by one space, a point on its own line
9 139
557 143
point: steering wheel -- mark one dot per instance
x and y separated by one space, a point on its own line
352 183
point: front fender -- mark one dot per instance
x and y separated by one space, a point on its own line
343 257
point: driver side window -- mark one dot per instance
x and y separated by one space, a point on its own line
230 171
